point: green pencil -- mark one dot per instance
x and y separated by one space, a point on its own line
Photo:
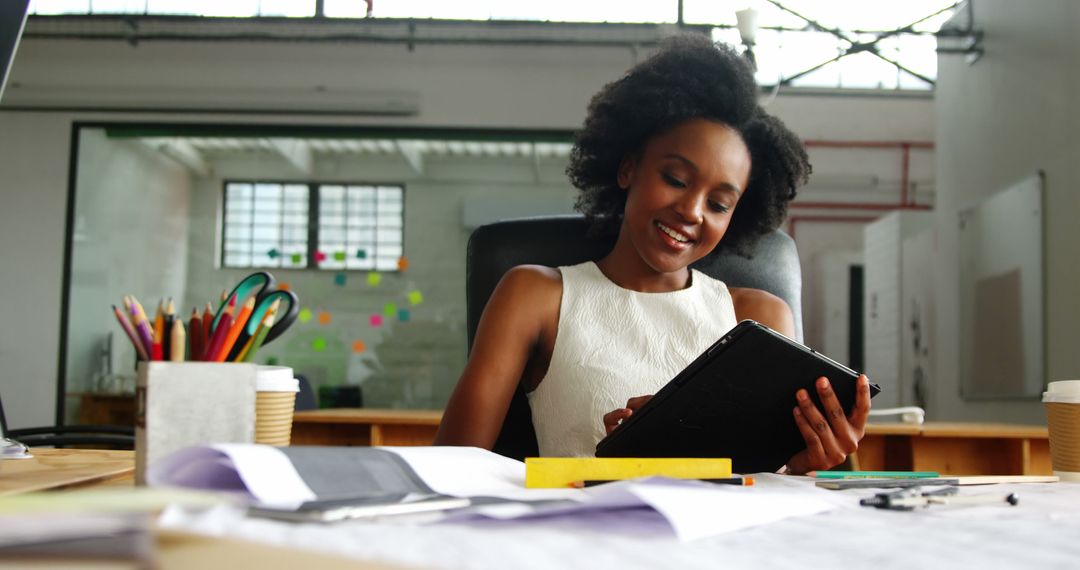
874 474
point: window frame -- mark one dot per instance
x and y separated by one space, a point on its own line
313 219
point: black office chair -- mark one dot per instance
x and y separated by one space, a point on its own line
100 436
305 398
562 240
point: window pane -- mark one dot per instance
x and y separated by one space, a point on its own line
359 225
264 225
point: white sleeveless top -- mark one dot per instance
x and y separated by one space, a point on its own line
614 344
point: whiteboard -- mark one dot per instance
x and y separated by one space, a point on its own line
1002 307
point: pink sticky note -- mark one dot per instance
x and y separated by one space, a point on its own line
376 320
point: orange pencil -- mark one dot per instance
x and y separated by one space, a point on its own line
178 341
195 336
159 322
217 337
234 331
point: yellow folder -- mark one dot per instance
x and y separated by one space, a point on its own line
553 472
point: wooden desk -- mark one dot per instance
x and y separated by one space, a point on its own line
65 468
365 426
956 448
946 447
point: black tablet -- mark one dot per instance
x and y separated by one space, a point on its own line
735 400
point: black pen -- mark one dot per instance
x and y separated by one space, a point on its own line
742 481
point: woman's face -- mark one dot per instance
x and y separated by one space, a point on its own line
683 188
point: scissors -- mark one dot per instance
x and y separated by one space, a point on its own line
262 285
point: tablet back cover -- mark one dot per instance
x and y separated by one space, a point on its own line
735 400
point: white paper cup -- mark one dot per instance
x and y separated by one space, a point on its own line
275 399
1062 401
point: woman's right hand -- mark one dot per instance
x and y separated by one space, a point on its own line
613 418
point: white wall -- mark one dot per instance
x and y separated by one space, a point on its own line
1011 113
33 160
462 86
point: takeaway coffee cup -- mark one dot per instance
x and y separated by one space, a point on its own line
1062 401
275 398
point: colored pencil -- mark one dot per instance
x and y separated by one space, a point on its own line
217 337
178 341
207 324
159 322
195 336
167 330
247 354
234 330
142 326
131 334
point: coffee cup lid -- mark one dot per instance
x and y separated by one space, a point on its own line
275 379
1064 391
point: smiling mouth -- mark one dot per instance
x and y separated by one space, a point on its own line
673 234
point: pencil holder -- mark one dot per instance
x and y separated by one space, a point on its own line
181 404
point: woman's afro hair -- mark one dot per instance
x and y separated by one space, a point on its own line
690 77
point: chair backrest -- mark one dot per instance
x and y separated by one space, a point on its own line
563 240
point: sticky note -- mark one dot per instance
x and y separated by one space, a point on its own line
339 279
415 297
324 318
402 263
361 254
297 258
339 256
389 309
318 344
404 315
376 320
359 346
374 278
273 253
305 315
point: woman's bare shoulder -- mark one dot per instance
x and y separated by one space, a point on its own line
763 307
532 279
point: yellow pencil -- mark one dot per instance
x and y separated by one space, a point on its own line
267 322
178 341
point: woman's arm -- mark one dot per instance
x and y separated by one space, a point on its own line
765 308
518 316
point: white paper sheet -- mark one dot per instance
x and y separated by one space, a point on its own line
692 509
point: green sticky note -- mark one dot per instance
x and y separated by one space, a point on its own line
318 344
404 315
390 310
361 254
374 278
339 279
339 256
297 258
273 253
415 297
305 315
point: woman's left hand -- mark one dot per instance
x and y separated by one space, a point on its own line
832 436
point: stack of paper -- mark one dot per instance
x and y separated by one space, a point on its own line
289 477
